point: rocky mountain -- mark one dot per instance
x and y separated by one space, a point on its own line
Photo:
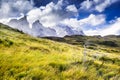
39 30
63 30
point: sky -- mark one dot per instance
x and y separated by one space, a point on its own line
94 17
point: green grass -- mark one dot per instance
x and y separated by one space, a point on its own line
23 57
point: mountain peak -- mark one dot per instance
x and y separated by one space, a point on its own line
39 30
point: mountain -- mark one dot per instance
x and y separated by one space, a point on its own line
20 24
63 30
23 57
39 30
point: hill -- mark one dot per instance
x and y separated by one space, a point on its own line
109 43
23 57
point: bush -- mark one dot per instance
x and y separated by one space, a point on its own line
8 43
109 43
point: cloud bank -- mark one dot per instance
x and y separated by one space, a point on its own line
110 29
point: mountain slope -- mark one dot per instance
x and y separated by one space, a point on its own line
109 43
23 57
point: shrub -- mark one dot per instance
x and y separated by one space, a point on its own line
6 42
109 43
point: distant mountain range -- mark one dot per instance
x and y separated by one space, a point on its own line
39 30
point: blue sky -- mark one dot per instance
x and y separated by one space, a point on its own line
111 11
94 17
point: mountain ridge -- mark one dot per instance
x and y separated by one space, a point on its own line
41 31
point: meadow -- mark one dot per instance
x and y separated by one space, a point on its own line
23 57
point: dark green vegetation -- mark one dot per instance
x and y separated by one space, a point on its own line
23 57
107 43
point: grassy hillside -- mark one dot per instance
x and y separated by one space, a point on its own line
23 57
107 43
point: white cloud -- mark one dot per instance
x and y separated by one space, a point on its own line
94 20
6 20
71 22
4 10
51 14
86 4
103 5
98 5
71 8
91 20
110 29
13 8
92 32
33 15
